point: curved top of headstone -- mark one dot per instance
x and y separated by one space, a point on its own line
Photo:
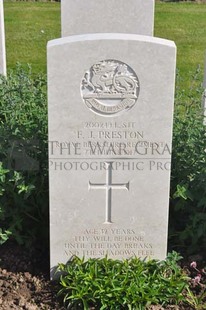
107 16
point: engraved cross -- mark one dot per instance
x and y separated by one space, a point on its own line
108 186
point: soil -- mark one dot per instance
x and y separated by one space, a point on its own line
24 280
25 285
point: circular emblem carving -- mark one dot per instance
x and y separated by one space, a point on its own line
110 87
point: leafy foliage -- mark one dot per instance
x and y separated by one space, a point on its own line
24 164
188 183
196 293
113 284
23 155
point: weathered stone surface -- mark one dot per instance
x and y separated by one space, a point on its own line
110 129
107 16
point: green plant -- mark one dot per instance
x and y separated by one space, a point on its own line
196 294
188 181
196 301
129 284
23 154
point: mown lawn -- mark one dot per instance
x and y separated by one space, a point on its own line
29 25
184 23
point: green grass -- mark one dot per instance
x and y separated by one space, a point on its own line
29 25
184 23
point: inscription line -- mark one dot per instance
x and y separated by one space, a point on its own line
103 158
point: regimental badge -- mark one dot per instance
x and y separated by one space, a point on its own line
110 87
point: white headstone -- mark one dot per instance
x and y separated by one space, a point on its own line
107 16
110 130
2 41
